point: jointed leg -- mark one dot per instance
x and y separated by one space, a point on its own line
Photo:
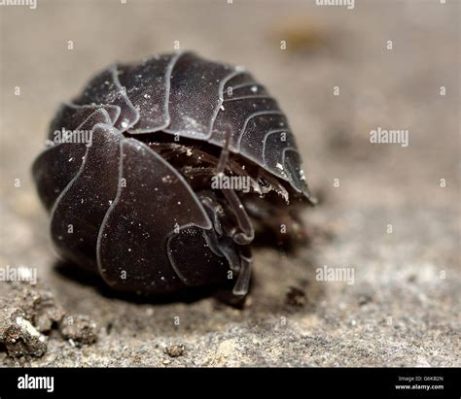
246 235
222 241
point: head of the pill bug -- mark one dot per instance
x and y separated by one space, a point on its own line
159 192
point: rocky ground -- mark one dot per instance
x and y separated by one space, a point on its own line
388 213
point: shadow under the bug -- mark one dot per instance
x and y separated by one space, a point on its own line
72 272
284 285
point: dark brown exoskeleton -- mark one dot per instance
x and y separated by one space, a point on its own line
158 172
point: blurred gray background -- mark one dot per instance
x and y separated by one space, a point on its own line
404 307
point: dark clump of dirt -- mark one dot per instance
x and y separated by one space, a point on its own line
28 316
296 297
80 329
175 350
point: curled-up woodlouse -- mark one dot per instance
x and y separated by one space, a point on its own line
159 173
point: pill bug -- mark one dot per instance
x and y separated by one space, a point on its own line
141 174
